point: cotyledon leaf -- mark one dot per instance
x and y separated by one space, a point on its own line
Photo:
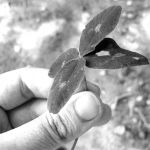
100 26
70 54
65 83
116 58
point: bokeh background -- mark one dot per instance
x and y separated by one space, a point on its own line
34 32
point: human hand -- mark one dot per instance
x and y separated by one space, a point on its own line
23 95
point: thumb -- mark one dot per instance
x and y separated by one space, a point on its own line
83 111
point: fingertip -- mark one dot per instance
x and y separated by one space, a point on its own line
87 106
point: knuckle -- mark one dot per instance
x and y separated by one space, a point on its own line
24 90
59 127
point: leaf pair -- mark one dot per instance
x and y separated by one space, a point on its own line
68 69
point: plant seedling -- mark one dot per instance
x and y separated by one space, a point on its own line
68 69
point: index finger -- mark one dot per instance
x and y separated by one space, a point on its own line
18 86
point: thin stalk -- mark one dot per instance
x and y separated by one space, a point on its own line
74 144
85 82
76 140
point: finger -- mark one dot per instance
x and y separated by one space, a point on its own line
4 121
36 107
20 85
103 110
27 112
49 131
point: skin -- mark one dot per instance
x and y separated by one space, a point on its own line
26 124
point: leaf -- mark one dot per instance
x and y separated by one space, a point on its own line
65 84
112 62
62 60
105 44
100 26
110 45
117 57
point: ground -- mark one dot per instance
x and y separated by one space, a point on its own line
34 33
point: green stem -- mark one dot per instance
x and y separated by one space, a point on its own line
85 82
74 144
76 140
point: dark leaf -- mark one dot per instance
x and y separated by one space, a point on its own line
100 26
110 45
62 60
117 57
114 62
65 84
105 44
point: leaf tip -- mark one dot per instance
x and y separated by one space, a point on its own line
148 61
118 8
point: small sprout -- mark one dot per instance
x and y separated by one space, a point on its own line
68 69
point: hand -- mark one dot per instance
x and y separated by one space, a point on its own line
23 95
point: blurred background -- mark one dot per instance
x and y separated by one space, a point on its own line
35 32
